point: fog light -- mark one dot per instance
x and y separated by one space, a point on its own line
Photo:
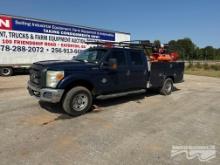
36 93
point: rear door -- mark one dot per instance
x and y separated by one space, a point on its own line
138 69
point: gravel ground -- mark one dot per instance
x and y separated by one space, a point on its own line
138 129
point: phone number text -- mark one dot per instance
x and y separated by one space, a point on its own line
24 49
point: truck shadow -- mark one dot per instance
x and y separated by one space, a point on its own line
100 105
54 108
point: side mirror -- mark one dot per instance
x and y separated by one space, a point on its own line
113 64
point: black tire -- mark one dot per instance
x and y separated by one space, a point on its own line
6 71
77 101
167 87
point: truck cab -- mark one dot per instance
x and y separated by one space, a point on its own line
99 72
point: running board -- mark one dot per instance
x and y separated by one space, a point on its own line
102 97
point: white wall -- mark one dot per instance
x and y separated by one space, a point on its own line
122 37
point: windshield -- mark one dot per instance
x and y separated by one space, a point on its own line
91 55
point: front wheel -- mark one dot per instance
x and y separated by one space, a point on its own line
167 87
77 101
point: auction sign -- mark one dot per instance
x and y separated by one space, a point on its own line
29 36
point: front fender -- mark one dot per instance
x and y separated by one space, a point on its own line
63 84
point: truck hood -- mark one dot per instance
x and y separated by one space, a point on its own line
65 64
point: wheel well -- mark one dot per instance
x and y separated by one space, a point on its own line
171 78
83 83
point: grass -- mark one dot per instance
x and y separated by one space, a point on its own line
202 72
212 70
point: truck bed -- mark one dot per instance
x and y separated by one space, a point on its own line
161 70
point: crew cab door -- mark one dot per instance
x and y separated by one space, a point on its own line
117 80
138 69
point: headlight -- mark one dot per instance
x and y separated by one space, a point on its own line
53 78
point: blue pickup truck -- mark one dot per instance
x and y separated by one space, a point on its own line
98 72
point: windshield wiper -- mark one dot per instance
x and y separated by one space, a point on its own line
86 61
94 62
80 60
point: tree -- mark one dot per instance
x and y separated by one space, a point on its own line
172 43
188 46
174 46
218 54
209 52
157 43
189 51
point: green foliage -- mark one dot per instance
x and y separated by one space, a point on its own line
188 47
189 51
157 43
185 47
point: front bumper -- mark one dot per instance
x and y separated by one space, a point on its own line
45 94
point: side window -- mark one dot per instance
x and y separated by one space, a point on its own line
119 56
136 58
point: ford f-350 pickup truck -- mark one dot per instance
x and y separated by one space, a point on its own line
98 72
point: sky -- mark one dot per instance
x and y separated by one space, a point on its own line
145 19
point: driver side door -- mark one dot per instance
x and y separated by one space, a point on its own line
115 80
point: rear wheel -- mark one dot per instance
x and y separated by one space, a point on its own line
167 87
77 101
6 71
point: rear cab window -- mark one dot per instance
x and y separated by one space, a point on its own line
135 57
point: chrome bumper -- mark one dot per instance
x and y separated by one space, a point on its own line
46 94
